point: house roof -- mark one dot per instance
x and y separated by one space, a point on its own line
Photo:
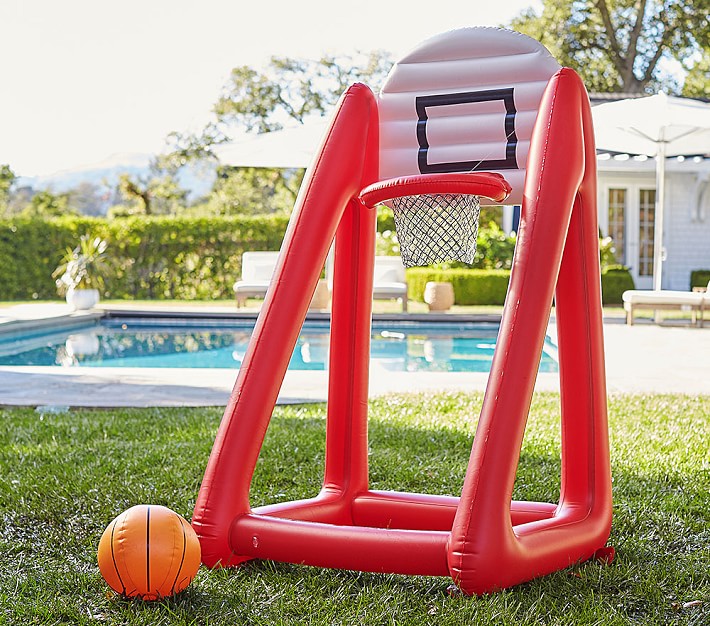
599 98
596 97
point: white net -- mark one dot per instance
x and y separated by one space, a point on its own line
437 227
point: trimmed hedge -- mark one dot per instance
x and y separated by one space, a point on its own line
31 248
147 257
193 258
699 278
616 279
471 286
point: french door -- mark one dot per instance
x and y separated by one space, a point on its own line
629 213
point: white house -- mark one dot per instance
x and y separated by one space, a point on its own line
626 188
626 202
662 142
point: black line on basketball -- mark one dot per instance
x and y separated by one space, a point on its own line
184 549
113 558
147 548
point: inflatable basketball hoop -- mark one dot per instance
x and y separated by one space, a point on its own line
436 227
473 115
436 215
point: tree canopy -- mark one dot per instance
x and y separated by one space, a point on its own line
286 91
697 82
293 89
624 45
7 181
159 193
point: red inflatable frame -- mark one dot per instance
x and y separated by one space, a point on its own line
482 540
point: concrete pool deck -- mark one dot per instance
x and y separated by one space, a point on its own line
667 358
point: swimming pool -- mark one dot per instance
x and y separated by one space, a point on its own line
219 343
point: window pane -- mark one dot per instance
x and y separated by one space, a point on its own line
617 223
647 217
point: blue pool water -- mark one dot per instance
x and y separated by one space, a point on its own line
396 346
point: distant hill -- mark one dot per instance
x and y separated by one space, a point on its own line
197 179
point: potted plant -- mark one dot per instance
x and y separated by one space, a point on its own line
439 295
78 275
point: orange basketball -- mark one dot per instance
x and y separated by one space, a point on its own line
149 552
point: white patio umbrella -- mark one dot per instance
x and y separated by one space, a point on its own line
658 126
286 148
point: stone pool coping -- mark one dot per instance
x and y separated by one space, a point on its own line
640 358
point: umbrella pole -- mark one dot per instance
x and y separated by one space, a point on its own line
658 220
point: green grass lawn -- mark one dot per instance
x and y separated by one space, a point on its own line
63 477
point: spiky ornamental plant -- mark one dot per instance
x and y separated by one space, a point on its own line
80 267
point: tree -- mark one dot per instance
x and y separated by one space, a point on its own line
47 204
135 192
621 45
251 191
7 182
287 91
697 82
158 193
293 89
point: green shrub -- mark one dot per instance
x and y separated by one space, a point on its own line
494 248
494 251
385 219
616 279
607 252
32 247
471 286
147 257
474 286
699 278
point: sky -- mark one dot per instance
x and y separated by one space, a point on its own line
82 80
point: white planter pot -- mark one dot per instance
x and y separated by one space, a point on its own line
82 299
321 297
439 296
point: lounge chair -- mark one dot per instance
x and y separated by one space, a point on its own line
257 270
693 301
390 281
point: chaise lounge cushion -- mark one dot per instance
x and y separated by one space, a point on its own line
390 280
694 301
257 270
679 298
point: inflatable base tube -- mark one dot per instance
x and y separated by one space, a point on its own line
389 528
